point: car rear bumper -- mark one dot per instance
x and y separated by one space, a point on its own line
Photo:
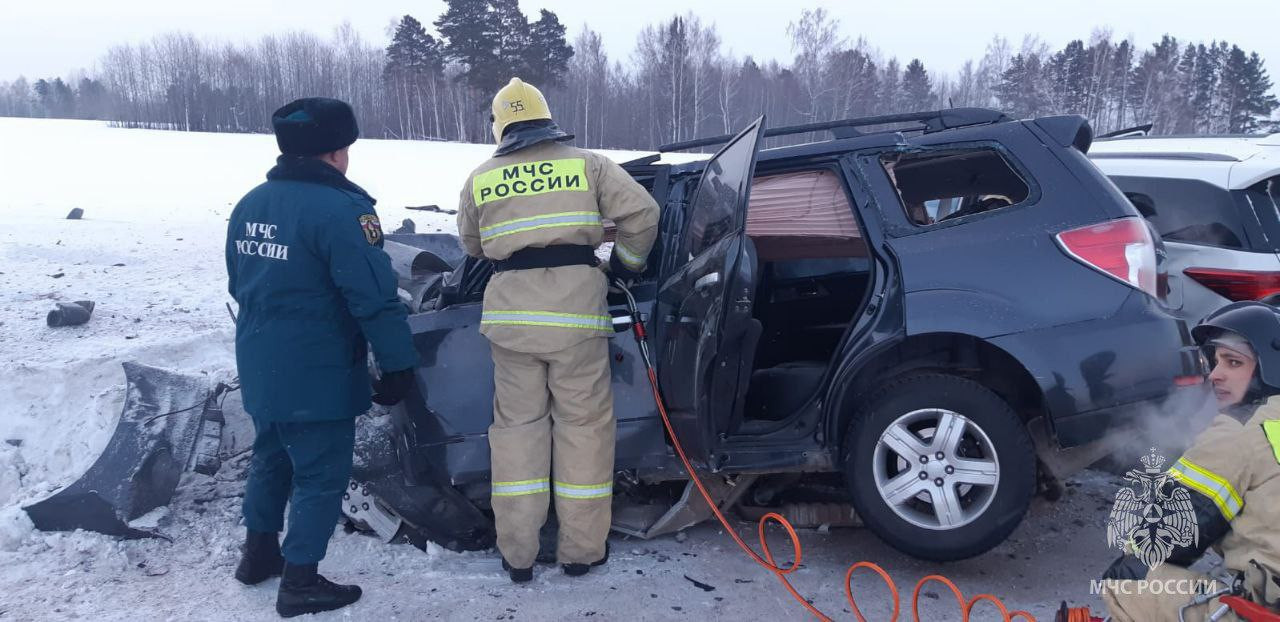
1180 403
1104 373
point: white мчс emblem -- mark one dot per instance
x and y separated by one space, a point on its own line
1153 515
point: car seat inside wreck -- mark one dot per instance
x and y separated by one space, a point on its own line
814 271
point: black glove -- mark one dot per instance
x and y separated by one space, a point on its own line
620 270
392 387
1126 567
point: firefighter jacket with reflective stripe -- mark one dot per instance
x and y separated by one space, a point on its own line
542 195
1233 472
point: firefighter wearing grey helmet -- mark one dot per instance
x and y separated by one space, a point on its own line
1248 333
1232 472
535 209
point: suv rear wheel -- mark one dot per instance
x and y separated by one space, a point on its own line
940 467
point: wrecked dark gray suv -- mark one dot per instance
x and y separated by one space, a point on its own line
920 321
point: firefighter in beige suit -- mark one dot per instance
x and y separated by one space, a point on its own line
1232 474
535 210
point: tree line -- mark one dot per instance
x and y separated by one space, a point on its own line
679 82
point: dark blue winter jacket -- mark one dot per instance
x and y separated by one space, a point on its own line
306 266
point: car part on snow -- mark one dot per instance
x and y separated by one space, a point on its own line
400 479
431 208
367 514
205 458
808 515
145 457
70 313
651 521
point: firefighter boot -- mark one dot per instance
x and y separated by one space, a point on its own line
260 559
577 570
518 575
303 591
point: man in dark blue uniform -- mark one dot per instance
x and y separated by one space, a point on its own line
306 265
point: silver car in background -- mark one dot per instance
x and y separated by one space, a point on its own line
1215 200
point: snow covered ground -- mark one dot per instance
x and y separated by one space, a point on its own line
149 253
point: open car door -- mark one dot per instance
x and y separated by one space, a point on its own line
704 326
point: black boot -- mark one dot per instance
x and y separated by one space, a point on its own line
577 570
303 591
260 559
518 575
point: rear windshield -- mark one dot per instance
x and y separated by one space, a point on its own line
938 187
1187 210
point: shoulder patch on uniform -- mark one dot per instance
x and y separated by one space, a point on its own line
371 227
1271 428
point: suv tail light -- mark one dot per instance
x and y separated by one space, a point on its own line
1237 285
1122 249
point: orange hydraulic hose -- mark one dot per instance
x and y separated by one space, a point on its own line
767 562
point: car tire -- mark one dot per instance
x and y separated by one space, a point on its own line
987 442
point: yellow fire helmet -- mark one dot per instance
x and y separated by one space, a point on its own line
517 102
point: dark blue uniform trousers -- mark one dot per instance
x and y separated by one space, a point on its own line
306 465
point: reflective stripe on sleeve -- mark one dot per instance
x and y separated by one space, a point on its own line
1209 484
629 259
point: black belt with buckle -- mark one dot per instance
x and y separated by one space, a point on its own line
553 256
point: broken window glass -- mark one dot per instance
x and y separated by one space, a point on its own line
944 186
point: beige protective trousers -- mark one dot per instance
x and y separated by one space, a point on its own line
553 433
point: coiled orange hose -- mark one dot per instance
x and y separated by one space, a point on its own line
767 561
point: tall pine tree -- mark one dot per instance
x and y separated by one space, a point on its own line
1245 92
917 92
889 96
1069 73
1118 84
471 30
412 50
513 58
413 61
549 52
1153 89
1257 98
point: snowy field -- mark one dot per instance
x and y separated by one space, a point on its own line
149 253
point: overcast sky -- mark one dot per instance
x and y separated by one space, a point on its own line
57 37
